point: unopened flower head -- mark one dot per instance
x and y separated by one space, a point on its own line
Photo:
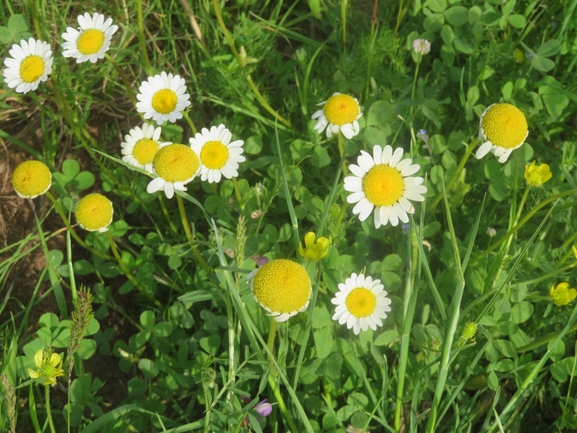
502 129
361 303
219 156
561 294
421 46
48 367
94 212
537 175
140 145
31 179
384 182
91 41
263 408
175 165
162 98
282 287
314 249
339 113
29 65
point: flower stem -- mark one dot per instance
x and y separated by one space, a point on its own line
48 412
342 153
189 235
238 194
190 122
83 244
124 81
128 273
165 212
142 38
281 404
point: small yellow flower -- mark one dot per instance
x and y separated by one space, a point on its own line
561 294
48 367
31 179
312 249
282 287
339 113
94 212
537 175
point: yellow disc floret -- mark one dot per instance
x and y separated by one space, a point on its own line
31 179
90 41
94 212
361 302
341 109
383 185
214 155
176 163
282 286
32 68
144 150
505 126
164 101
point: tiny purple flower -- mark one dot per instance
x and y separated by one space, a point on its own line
421 46
263 408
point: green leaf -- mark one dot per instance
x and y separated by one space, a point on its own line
374 136
148 367
210 344
447 35
456 15
434 22
162 329
320 157
504 365
5 35
380 113
87 348
542 64
253 145
357 400
392 262
147 319
83 180
516 20
386 337
493 381
70 168
555 101
463 46
549 48
118 228
83 267
474 15
522 311
17 24
506 348
323 341
174 262
321 317
436 5
508 7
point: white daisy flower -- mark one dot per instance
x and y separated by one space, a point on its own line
502 129
383 182
175 165
218 156
361 303
282 287
30 64
162 98
140 145
93 39
341 113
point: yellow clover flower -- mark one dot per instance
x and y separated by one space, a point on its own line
94 212
502 129
537 175
31 179
314 249
282 287
48 367
561 294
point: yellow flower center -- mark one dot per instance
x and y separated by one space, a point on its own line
31 178
361 302
283 286
144 150
341 109
505 126
214 155
176 163
94 212
164 101
32 68
90 41
383 185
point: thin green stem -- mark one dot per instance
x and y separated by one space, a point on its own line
270 342
190 237
208 409
35 19
550 274
238 194
83 244
125 82
344 5
142 37
281 404
342 153
371 46
48 411
544 340
241 63
190 122
128 273
415 79
523 221
165 212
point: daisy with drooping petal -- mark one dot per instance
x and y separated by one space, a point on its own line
339 113
361 303
94 213
502 129
282 287
31 179
218 156
140 145
162 98
30 64
93 39
175 165
383 182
